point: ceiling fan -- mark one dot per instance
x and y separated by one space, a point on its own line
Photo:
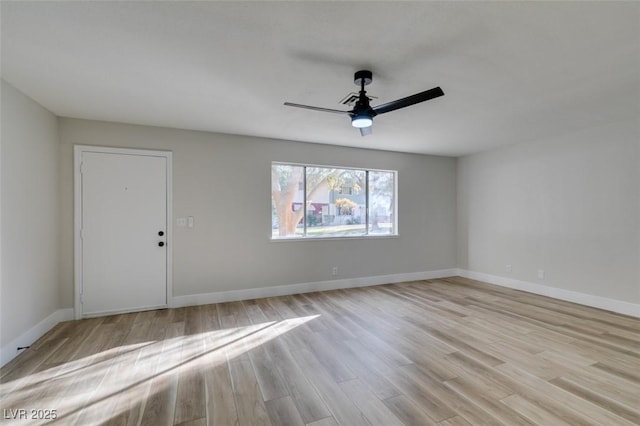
362 114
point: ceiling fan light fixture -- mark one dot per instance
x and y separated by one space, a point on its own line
361 120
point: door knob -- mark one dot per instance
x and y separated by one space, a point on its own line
161 233
161 243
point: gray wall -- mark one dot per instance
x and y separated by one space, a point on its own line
30 218
223 181
570 206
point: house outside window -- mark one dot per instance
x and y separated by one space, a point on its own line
332 202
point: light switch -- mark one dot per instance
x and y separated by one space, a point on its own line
190 221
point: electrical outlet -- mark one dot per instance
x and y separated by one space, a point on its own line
181 221
541 274
334 271
508 268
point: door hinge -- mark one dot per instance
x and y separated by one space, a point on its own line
82 234
82 167
81 298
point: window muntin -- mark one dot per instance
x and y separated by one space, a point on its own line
338 202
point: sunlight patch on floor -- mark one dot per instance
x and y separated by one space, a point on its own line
103 385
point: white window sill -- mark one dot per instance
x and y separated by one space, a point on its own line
356 237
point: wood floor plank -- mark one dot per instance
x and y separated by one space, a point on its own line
407 411
567 360
543 368
139 366
452 400
366 368
343 410
190 403
306 398
327 421
328 357
283 411
455 421
475 394
31 359
375 411
607 385
598 399
160 405
20 374
272 385
220 403
617 370
533 412
422 394
449 351
249 402
573 407
462 345
479 374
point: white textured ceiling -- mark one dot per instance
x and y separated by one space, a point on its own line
511 71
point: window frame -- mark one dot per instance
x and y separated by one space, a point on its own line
367 235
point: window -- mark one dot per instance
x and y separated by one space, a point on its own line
345 189
328 202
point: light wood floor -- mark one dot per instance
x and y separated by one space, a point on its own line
447 352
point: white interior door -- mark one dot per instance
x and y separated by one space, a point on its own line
123 232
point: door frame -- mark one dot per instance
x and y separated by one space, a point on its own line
78 150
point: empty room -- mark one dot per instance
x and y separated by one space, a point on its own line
320 213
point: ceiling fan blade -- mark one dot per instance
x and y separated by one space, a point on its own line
409 100
336 111
364 131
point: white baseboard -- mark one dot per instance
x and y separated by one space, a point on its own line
618 306
284 290
10 350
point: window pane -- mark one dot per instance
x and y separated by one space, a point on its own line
336 202
287 200
331 202
381 203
